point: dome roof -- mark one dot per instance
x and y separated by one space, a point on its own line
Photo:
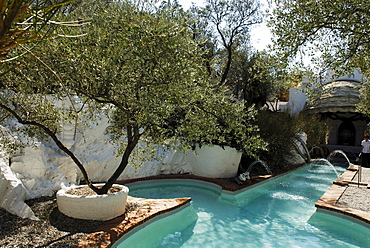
337 96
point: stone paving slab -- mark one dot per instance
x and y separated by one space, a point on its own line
349 197
106 235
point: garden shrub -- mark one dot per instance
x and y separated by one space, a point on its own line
279 128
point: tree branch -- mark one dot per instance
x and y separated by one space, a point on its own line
53 136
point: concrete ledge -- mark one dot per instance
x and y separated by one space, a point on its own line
92 207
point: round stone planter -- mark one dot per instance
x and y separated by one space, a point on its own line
215 161
93 207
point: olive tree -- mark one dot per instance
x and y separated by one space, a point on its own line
25 21
336 30
231 21
144 70
258 77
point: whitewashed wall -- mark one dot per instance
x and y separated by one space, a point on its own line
43 169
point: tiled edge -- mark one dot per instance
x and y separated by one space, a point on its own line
330 198
106 235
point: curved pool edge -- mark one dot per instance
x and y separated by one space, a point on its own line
113 230
226 186
150 211
157 228
327 203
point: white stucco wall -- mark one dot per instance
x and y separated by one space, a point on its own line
43 169
297 101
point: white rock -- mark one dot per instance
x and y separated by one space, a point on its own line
13 193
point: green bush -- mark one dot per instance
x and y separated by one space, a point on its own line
317 130
279 128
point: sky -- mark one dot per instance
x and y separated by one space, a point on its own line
260 34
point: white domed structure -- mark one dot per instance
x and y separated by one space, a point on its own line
337 96
337 104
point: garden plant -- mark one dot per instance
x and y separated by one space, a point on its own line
144 71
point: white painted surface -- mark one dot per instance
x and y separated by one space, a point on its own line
94 207
12 192
214 161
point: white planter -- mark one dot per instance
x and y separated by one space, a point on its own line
93 207
215 161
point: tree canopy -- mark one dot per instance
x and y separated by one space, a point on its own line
231 21
337 31
335 34
222 29
145 70
24 21
257 77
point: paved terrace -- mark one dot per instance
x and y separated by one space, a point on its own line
348 198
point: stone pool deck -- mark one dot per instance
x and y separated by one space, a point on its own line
348 198
145 211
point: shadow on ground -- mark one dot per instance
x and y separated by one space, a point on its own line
54 229
72 225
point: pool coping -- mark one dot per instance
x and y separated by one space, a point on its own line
150 210
115 229
112 231
327 203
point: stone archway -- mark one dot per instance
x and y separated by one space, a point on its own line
347 133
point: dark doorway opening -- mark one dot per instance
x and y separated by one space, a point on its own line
347 134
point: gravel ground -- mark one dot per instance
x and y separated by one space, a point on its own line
357 197
54 229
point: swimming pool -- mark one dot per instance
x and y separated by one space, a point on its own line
278 213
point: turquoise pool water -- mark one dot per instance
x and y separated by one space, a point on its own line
279 213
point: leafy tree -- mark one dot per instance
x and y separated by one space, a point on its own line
224 26
25 20
336 30
205 37
231 21
144 70
257 78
